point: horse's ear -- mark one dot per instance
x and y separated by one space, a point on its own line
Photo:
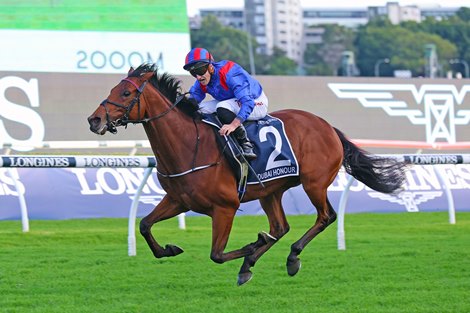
130 71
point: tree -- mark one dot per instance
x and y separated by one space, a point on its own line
223 42
325 58
403 44
314 63
276 64
455 29
464 14
404 48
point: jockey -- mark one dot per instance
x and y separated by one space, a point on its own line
238 96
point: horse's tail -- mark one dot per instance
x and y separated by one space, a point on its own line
383 174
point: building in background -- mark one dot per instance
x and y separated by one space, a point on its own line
260 24
437 12
227 17
288 26
395 13
349 17
273 23
276 23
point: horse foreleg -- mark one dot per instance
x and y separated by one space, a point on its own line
166 209
222 221
278 227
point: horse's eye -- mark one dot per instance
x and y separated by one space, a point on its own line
127 93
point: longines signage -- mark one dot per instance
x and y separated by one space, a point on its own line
37 107
108 192
438 107
22 115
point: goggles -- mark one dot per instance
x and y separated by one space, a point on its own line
201 70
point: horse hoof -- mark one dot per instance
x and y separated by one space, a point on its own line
172 250
293 267
244 278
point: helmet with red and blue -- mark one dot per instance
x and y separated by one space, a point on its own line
196 57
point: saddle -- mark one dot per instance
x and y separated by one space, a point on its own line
275 156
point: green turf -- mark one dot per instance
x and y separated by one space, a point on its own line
409 262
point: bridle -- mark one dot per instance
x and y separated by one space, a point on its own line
124 120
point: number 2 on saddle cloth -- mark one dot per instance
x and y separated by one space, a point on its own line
275 156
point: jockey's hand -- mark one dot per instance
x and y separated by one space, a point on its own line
227 129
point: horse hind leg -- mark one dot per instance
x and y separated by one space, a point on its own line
325 216
278 227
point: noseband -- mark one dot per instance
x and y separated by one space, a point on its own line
124 120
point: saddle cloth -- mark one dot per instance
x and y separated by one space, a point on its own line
275 156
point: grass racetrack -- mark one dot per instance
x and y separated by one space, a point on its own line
403 262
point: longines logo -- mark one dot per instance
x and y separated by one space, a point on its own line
409 199
436 106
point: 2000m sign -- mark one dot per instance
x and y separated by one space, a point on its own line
97 60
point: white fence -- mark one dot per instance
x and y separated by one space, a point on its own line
416 159
54 161
133 145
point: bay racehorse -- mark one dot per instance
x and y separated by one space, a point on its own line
195 175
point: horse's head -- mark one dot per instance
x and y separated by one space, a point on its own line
121 106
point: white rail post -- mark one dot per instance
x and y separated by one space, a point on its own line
341 212
21 199
132 250
450 198
182 221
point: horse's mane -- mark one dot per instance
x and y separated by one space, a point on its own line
169 86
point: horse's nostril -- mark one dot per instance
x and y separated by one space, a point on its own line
93 121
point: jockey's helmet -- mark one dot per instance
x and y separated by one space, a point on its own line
195 57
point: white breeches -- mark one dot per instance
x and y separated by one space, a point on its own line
259 111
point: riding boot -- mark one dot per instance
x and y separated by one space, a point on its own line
245 143
226 117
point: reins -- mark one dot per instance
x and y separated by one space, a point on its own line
112 125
